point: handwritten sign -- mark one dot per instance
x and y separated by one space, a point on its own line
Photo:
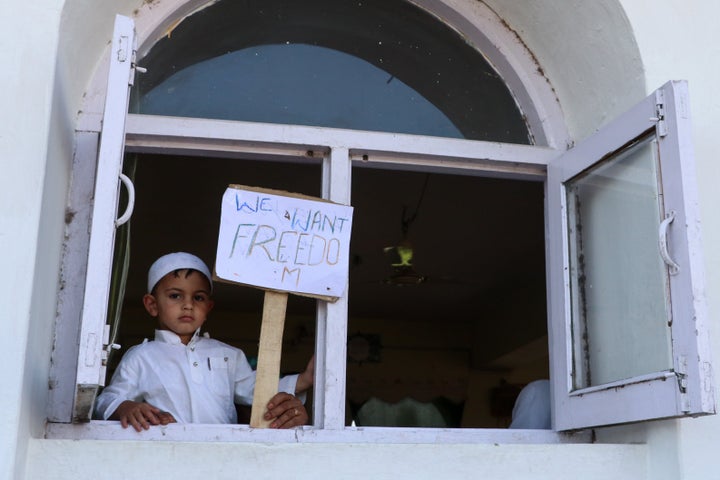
283 241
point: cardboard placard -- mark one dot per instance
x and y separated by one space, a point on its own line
284 242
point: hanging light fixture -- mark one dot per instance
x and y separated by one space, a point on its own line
403 272
401 255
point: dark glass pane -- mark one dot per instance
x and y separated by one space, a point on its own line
372 65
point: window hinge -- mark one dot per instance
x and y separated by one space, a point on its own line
659 117
123 49
681 375
107 346
134 67
127 52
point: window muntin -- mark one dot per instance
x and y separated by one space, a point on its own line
618 281
371 65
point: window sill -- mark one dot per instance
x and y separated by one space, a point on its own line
110 430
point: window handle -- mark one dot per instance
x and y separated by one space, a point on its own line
673 267
131 200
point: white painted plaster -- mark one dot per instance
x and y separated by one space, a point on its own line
28 42
598 58
219 461
681 40
586 50
599 68
85 33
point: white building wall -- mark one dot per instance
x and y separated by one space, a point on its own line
587 51
577 46
30 234
597 75
112 460
682 41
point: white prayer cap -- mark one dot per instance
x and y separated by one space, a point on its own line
176 261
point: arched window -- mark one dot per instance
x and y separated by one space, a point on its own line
365 66
369 65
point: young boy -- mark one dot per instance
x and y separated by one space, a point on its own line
185 377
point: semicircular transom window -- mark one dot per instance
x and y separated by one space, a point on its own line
380 65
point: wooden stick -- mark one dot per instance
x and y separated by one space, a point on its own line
269 352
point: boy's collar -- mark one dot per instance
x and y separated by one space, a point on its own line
167 336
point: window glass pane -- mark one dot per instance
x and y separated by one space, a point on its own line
457 326
372 65
620 306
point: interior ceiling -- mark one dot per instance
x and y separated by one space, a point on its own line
473 237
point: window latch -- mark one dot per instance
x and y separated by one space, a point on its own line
673 267
131 200
108 346
681 374
134 67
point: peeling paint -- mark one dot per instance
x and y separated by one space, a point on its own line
69 215
540 70
176 23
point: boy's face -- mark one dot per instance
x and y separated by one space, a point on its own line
181 303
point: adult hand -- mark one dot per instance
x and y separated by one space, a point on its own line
286 411
140 415
306 378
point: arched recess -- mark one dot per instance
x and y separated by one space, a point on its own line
570 69
475 21
589 53
602 85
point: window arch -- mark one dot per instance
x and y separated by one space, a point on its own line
371 65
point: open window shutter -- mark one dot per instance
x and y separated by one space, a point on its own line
627 309
94 333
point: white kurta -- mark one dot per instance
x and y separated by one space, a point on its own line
197 383
532 407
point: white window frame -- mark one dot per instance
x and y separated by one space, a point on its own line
92 334
341 150
687 388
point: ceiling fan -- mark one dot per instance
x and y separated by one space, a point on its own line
401 255
403 272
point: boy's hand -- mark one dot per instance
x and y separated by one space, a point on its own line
287 410
306 378
140 415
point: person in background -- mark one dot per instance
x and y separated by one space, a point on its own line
532 406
